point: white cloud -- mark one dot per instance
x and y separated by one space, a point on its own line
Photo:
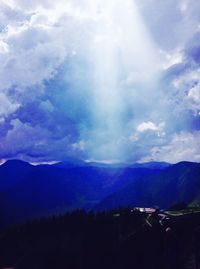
184 6
194 94
79 146
6 106
36 39
150 126
183 146
189 77
171 58
47 106
32 143
103 161
30 60
185 91
3 47
171 23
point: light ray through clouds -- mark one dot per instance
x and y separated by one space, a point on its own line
121 48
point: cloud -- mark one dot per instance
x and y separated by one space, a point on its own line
7 106
33 143
50 53
79 146
180 20
32 57
194 97
146 126
171 58
183 146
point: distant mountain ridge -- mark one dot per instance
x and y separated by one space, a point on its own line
151 165
177 183
28 191
81 163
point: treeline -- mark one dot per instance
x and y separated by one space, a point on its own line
87 240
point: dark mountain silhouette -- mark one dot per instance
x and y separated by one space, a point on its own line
28 191
70 162
12 172
177 183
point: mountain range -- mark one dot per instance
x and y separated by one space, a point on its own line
29 191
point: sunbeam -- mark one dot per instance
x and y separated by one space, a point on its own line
123 52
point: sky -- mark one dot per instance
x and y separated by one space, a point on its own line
106 81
